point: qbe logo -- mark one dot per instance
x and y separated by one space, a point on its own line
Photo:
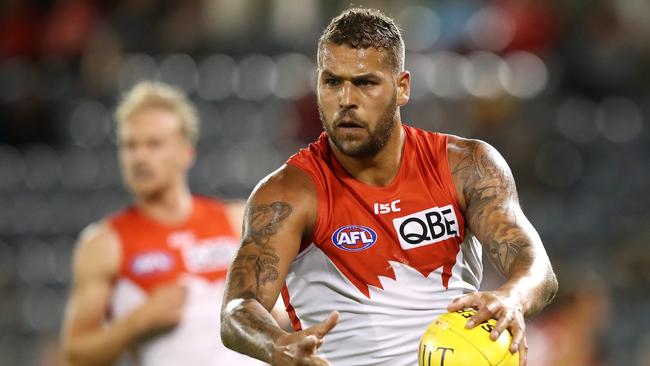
354 238
426 227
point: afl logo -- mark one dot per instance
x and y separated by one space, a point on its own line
153 262
354 238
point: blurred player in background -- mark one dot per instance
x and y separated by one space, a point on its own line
150 279
380 222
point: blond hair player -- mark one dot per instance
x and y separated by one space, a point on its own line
149 279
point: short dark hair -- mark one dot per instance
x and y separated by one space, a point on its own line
364 28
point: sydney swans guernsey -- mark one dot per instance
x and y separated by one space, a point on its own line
195 254
389 259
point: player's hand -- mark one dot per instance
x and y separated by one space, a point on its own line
300 348
508 312
162 310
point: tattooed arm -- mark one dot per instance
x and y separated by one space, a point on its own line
279 214
488 197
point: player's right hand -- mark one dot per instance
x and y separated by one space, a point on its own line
163 309
300 348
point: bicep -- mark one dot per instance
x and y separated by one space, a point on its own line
87 306
492 209
94 266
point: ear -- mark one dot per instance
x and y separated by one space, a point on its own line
403 88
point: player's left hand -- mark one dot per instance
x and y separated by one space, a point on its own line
506 309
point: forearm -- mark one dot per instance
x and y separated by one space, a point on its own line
248 328
102 346
531 281
518 254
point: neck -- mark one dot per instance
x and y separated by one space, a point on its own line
378 170
170 206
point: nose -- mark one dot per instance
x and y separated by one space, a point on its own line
138 152
347 97
135 153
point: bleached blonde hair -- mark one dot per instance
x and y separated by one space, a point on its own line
154 94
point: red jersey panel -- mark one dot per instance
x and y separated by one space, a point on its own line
153 253
415 220
389 259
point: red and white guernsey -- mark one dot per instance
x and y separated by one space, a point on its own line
195 254
389 259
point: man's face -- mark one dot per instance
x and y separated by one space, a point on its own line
154 153
358 98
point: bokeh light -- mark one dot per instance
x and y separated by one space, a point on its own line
523 75
480 75
217 77
179 70
619 120
421 27
500 25
256 77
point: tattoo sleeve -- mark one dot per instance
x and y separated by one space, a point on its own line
493 213
492 207
252 286
257 262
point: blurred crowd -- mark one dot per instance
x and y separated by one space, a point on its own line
561 88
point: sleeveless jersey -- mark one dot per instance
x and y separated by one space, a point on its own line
195 254
389 259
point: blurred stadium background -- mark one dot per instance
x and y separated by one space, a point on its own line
559 87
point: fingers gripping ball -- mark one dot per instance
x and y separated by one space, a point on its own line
447 342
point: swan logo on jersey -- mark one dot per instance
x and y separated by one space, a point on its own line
354 238
204 255
426 227
149 263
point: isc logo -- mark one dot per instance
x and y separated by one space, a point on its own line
426 227
384 208
354 238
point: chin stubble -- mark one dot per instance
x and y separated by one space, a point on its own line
376 140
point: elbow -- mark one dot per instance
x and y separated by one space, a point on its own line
552 286
226 338
74 353
70 355
234 319
227 313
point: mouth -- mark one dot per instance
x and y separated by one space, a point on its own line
140 174
349 125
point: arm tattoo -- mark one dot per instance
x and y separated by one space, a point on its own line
260 259
503 254
491 200
263 222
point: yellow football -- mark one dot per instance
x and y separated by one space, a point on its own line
447 342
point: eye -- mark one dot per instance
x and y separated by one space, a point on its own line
365 82
332 81
154 143
127 145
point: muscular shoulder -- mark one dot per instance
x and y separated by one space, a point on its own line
288 188
475 164
461 150
97 251
287 183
